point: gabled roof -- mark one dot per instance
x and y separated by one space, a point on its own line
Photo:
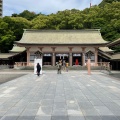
116 56
17 49
105 55
108 56
105 49
114 43
66 37
7 55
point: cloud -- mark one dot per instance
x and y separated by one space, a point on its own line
44 6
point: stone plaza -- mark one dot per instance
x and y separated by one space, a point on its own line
72 95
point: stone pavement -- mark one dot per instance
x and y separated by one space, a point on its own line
72 95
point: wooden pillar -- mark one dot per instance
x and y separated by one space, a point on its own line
70 56
83 56
41 48
53 56
70 59
96 56
53 59
28 55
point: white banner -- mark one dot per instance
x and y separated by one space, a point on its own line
35 65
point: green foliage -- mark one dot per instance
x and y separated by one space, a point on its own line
6 37
105 16
25 14
116 49
104 2
6 41
11 29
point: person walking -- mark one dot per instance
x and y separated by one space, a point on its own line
59 66
38 69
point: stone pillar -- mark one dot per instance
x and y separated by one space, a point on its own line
96 56
83 56
70 56
53 56
28 55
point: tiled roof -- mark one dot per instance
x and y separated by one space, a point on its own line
6 55
17 49
87 37
116 56
105 49
114 43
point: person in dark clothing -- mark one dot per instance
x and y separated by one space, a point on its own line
38 69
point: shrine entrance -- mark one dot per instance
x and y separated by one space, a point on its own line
47 59
62 57
77 58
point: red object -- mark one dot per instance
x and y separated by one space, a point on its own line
76 62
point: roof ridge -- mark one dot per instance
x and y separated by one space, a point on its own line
62 30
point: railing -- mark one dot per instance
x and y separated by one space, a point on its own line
92 64
107 64
104 66
23 64
29 64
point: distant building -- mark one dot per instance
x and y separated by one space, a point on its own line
1 7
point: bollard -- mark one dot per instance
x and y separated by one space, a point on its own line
89 66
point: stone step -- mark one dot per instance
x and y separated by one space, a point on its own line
55 68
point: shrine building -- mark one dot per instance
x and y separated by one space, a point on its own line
73 46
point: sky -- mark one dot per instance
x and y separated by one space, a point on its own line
44 6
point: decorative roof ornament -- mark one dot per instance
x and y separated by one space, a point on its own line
38 54
89 54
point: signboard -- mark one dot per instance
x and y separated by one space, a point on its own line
76 54
35 64
61 54
47 55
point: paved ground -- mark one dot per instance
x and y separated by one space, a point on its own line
7 77
73 95
10 74
116 75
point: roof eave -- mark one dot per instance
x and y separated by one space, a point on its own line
88 44
111 44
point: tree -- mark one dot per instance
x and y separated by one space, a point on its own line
104 2
6 37
17 24
27 14
106 17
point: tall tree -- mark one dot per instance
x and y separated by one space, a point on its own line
26 14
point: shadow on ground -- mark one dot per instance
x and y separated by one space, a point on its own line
7 77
